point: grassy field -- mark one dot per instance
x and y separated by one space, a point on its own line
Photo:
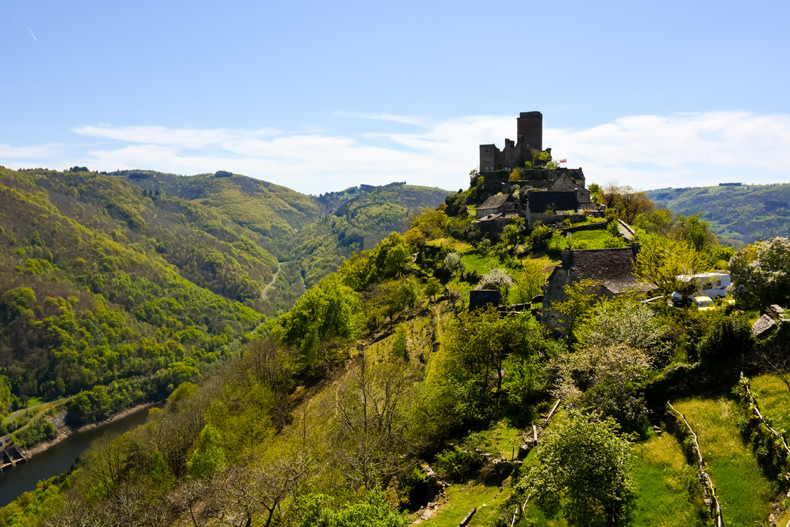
774 400
502 440
479 264
595 239
744 492
666 491
460 500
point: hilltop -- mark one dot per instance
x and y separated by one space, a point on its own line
512 359
738 214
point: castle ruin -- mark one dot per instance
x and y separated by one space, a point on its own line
529 127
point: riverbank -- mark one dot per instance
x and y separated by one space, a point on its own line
58 456
65 431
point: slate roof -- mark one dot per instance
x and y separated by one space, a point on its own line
613 268
564 184
500 200
764 325
539 202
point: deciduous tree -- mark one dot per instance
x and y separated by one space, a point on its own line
761 273
583 471
661 261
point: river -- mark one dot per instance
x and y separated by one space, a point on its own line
60 457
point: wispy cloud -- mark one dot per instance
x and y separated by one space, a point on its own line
40 152
645 151
193 139
31 33
402 119
649 151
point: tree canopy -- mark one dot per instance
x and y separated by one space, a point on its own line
583 472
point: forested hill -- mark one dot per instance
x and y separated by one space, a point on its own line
380 398
738 214
120 286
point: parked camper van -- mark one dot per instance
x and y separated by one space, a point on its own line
712 285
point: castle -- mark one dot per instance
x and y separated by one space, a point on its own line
529 127
544 193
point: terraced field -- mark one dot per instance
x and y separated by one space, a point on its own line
774 400
667 493
744 492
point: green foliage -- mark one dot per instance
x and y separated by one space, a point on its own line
540 236
738 215
621 320
579 301
373 511
660 261
157 278
761 273
728 337
457 465
626 203
326 310
467 384
583 471
619 399
209 457
529 281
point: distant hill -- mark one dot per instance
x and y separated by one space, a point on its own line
738 214
309 235
123 285
358 218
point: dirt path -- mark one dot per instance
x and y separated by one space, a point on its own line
274 279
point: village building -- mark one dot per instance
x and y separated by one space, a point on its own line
612 270
496 212
499 204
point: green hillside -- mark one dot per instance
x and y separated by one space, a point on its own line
115 288
380 398
738 214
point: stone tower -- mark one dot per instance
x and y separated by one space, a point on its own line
530 137
530 130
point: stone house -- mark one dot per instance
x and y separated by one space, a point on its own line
496 212
499 204
611 269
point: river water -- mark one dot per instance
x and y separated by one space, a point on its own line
60 458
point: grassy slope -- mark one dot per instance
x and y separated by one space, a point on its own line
774 400
666 493
744 492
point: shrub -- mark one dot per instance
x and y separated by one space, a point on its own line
457 465
728 337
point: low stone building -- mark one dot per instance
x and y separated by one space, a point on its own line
499 204
611 269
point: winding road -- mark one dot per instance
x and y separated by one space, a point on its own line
274 279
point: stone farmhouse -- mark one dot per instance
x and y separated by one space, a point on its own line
611 269
497 211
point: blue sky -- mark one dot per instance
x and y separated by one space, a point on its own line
320 96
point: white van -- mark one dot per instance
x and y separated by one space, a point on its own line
708 284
